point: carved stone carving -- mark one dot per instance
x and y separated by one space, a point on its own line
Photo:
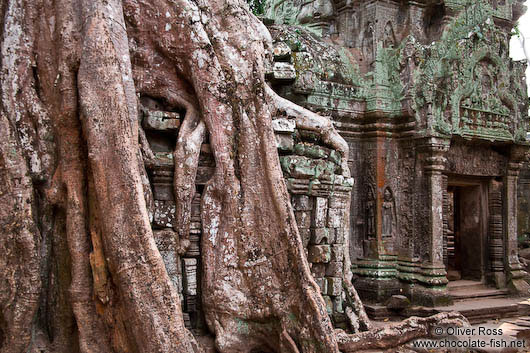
388 214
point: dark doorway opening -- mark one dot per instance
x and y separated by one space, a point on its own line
466 232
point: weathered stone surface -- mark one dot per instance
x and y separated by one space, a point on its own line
161 120
334 269
319 253
301 202
311 150
306 168
338 304
321 236
281 51
337 252
285 143
190 276
397 302
283 125
334 285
335 217
340 234
165 242
320 212
283 71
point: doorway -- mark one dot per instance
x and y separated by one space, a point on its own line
466 233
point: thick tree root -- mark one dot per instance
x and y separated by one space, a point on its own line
396 335
186 159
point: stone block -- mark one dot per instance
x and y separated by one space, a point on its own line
161 121
338 304
281 51
323 284
303 219
305 234
335 217
284 142
334 269
301 203
397 302
283 71
320 212
337 252
283 125
319 253
190 276
301 167
334 286
321 236
311 150
318 270
338 202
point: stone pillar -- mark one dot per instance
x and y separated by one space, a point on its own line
445 220
432 277
495 241
514 268
377 270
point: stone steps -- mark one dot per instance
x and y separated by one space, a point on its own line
465 294
476 310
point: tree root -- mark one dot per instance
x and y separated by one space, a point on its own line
186 159
395 335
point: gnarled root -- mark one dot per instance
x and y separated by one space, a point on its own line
307 120
399 334
186 159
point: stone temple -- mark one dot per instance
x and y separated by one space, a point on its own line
435 114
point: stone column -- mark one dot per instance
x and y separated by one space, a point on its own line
376 271
495 242
515 272
432 279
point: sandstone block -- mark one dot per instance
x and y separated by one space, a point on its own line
334 269
321 236
319 253
397 302
335 217
284 142
301 202
320 212
283 125
337 252
334 286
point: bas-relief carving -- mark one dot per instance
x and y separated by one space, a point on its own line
370 212
389 39
472 160
388 214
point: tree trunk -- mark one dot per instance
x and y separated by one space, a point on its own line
73 171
